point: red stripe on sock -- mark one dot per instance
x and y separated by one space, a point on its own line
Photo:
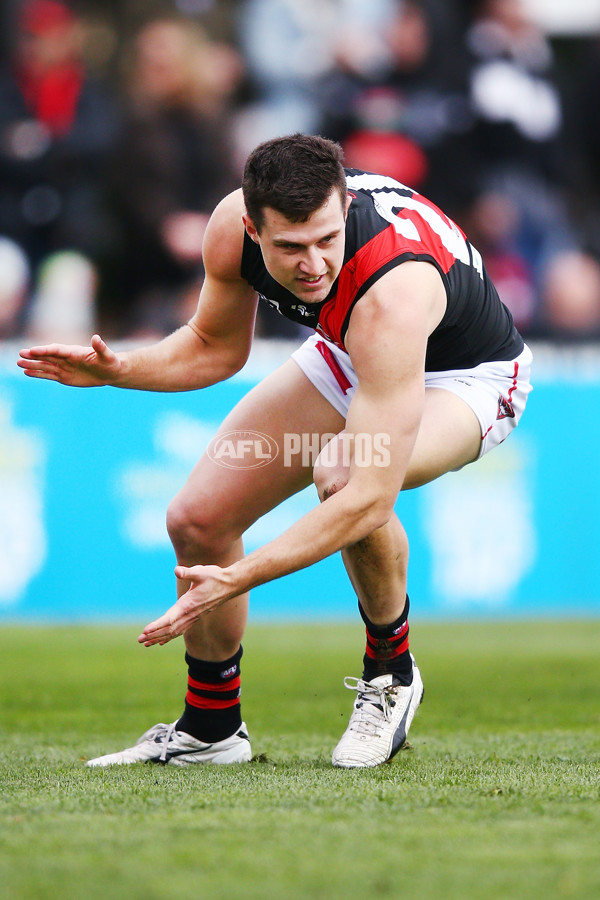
210 702
400 649
394 652
392 639
214 688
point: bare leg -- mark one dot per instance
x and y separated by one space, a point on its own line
449 437
208 517
377 568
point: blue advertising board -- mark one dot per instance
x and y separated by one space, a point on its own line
86 477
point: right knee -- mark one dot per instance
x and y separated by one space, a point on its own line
199 530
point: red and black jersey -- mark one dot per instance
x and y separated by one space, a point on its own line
388 224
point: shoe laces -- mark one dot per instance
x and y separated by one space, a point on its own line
164 740
372 704
159 734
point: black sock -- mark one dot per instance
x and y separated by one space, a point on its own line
387 650
212 703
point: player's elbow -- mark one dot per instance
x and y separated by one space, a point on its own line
231 365
220 367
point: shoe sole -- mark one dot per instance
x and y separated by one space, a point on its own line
226 758
238 751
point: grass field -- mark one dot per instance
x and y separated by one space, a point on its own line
497 797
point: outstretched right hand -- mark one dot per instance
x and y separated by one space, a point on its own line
76 366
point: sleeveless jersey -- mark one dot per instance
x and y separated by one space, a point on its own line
388 224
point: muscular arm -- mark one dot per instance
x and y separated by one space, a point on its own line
387 340
211 347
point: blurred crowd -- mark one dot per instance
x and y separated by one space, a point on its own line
122 125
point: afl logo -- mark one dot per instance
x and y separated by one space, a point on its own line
243 450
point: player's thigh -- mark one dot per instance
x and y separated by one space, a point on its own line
449 437
242 489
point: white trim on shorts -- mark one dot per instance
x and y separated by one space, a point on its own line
495 391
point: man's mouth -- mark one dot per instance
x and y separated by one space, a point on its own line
314 279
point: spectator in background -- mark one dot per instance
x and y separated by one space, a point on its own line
492 223
571 298
518 141
14 284
292 46
409 120
173 162
56 128
585 123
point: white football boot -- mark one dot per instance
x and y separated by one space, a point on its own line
383 712
163 744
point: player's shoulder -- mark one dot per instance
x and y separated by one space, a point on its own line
224 238
373 182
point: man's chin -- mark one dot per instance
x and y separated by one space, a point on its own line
314 295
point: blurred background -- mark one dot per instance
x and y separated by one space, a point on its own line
121 126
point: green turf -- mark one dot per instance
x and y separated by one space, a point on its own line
497 797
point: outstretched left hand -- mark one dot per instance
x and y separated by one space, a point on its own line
209 588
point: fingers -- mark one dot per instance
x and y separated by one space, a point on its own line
65 351
205 595
160 631
168 626
51 362
101 348
48 351
177 619
164 630
39 368
71 364
151 641
52 367
40 371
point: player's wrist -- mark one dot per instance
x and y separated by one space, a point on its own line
122 371
236 578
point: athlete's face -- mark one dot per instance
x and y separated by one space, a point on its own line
304 257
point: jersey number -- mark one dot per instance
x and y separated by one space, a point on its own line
389 202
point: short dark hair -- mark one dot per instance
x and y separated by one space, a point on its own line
294 175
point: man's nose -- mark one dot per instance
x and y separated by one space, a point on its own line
312 262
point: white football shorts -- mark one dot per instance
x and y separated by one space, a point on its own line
495 391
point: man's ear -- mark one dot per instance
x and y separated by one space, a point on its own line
251 229
347 206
